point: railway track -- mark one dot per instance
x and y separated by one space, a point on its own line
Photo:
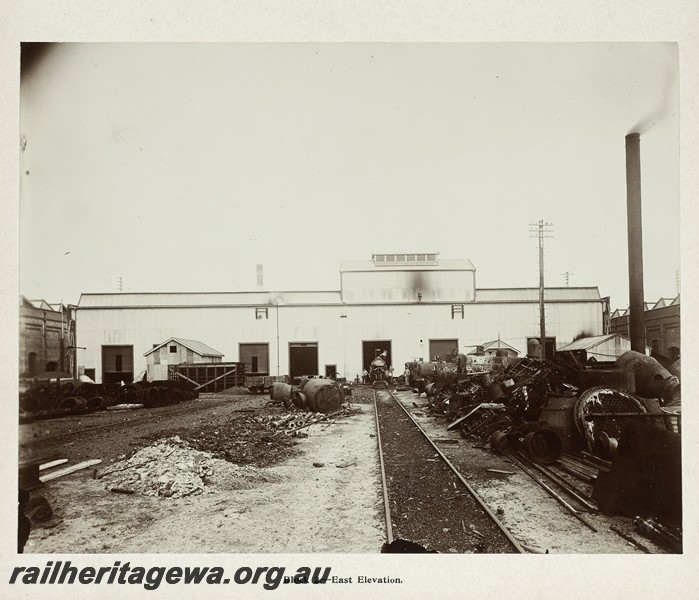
426 499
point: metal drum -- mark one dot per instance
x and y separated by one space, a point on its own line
558 414
280 392
543 445
323 395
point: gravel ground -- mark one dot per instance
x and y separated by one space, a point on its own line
318 492
429 505
277 493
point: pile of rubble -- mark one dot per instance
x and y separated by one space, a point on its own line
171 468
260 440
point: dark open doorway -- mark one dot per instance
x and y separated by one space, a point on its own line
369 349
303 359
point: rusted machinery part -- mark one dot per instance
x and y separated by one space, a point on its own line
96 403
301 401
111 399
544 445
280 392
169 395
323 395
71 403
149 397
500 441
29 402
651 378
604 446
69 389
600 399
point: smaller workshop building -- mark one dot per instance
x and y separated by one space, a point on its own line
175 351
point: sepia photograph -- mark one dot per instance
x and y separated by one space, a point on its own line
328 300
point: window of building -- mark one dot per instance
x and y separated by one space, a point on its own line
404 259
173 349
457 309
261 312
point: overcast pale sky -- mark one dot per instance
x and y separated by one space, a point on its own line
179 167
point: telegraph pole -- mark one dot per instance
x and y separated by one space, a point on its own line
541 230
567 275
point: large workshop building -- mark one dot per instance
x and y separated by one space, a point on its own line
410 305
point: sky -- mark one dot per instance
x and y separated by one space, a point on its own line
181 166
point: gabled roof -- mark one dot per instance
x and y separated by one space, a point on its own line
198 347
590 342
496 344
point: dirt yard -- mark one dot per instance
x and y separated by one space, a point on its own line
325 497
220 473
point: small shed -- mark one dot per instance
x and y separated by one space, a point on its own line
603 348
175 351
495 348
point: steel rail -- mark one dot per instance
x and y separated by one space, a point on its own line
506 532
387 507
565 485
571 509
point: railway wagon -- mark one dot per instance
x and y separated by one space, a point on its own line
259 384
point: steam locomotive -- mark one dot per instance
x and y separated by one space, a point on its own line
379 369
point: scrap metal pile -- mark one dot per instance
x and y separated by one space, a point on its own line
479 402
65 396
615 426
524 394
